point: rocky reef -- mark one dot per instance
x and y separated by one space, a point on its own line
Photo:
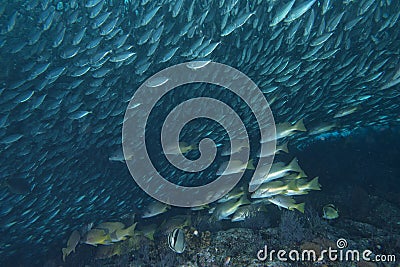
211 244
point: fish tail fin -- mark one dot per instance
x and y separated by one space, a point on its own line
183 144
300 207
301 174
65 253
130 231
314 184
250 165
184 147
299 126
284 147
294 166
150 235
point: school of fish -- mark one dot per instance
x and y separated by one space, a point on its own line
70 68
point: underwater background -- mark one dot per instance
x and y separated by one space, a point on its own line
330 71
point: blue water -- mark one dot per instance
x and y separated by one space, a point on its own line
59 128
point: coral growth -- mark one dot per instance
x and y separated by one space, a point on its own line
292 229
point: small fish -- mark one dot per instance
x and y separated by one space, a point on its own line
79 114
287 203
183 148
92 3
118 155
247 211
121 234
304 185
106 252
237 146
330 212
178 221
282 13
235 193
286 129
155 208
147 230
279 170
236 166
11 139
72 242
345 112
224 210
274 188
299 10
265 151
323 128
177 241
97 237
202 207
122 57
156 82
194 65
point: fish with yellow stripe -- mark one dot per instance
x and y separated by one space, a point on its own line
108 232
